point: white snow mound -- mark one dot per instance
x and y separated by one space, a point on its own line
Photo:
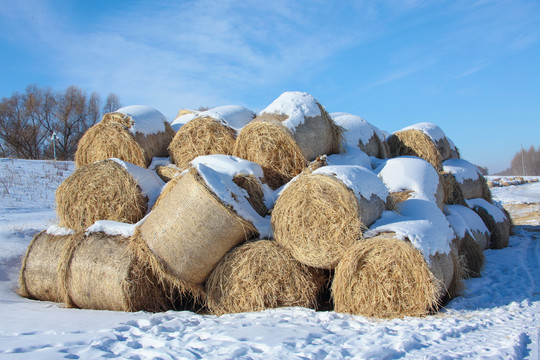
356 128
296 105
145 119
464 220
461 169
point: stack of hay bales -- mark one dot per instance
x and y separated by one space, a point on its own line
387 227
291 131
134 134
207 132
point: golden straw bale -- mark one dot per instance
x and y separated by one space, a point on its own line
190 230
272 147
453 194
102 190
201 136
415 143
317 218
472 256
259 275
100 273
38 278
110 140
385 278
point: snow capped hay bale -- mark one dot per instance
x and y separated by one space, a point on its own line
415 143
496 220
203 216
106 190
291 131
38 278
446 147
386 278
319 215
100 273
259 275
109 140
206 133
134 134
410 177
358 132
452 190
464 220
423 224
471 181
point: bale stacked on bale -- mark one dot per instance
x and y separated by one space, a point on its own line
291 131
259 275
425 140
202 217
496 220
134 134
319 215
411 177
106 190
386 278
452 190
209 132
471 181
359 133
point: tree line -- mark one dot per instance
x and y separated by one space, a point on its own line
28 121
524 162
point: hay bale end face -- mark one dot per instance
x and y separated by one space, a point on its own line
471 181
103 190
415 143
317 217
100 273
38 278
110 140
385 278
198 137
259 275
497 221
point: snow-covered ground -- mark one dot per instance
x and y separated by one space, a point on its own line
498 317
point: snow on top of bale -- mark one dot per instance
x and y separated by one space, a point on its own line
430 129
296 105
356 128
421 222
496 213
351 155
218 171
145 119
360 180
463 220
461 169
233 116
410 173
149 182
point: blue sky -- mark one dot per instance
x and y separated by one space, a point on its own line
471 67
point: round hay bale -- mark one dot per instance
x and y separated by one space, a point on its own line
415 143
496 220
410 177
385 278
319 215
38 278
358 132
106 190
259 275
109 140
202 217
446 147
201 136
453 195
291 131
151 129
471 181
101 274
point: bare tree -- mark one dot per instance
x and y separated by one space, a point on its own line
111 104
